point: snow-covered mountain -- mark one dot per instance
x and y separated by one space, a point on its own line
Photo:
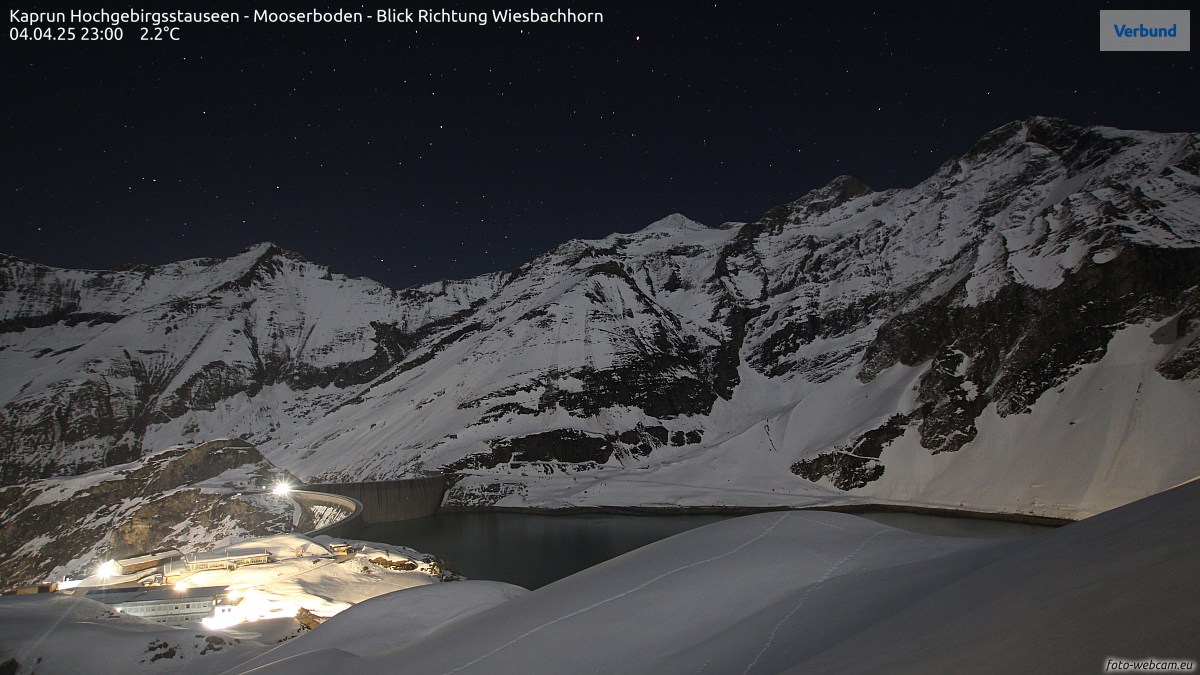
1018 332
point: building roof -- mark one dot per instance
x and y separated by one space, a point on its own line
151 557
224 554
115 596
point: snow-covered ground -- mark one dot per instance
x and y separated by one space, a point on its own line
774 592
61 633
833 593
395 619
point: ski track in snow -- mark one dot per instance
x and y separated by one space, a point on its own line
807 592
622 594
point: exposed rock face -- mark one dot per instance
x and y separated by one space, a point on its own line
865 340
180 497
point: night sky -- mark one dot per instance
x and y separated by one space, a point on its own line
410 154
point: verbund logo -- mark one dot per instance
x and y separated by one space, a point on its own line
1145 30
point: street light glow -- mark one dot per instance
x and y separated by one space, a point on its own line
107 569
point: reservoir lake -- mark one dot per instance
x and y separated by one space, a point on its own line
533 550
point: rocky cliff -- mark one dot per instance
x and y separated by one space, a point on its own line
189 498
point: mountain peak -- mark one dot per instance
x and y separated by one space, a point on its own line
673 223
265 251
262 261
834 193
846 187
1048 121
1079 147
263 247
1040 129
821 200
269 249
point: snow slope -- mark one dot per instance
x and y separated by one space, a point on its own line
63 634
394 619
827 592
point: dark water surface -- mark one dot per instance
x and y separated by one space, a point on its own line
533 550
530 550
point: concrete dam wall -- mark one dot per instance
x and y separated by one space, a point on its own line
391 500
349 526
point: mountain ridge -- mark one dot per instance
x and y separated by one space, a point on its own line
849 343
